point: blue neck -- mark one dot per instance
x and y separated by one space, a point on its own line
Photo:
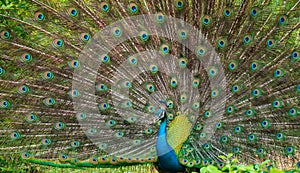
167 159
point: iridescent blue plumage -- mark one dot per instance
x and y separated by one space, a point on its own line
167 158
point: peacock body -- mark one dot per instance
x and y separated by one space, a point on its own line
173 84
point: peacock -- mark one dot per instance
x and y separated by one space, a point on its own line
172 84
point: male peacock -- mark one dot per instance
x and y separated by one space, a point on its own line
173 83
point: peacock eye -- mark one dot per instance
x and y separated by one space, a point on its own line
25 155
200 51
160 18
39 16
133 8
280 136
179 4
105 59
144 36
104 6
49 101
4 104
26 57
15 135
80 116
164 49
73 12
227 13
295 55
212 72
57 43
5 34
85 37
254 12
132 60
116 32
150 87
206 20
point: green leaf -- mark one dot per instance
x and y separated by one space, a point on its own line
229 155
274 170
226 167
203 170
223 157
265 162
212 169
234 161
241 168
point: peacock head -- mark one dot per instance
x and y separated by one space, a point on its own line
161 113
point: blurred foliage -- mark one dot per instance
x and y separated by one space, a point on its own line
14 8
231 166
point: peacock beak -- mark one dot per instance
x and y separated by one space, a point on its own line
156 119
160 114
